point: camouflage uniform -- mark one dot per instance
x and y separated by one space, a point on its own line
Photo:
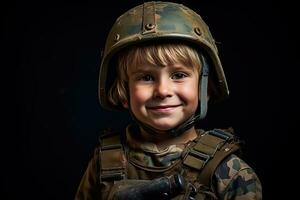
152 22
233 178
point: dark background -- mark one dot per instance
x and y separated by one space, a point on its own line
54 52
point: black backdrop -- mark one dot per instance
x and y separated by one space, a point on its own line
56 48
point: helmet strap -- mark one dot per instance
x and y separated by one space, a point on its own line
203 88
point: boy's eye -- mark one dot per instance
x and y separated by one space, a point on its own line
146 78
179 75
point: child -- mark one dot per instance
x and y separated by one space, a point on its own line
157 60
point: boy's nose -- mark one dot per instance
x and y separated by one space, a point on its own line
163 89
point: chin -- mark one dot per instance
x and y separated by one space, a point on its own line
163 127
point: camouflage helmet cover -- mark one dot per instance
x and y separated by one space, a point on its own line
159 21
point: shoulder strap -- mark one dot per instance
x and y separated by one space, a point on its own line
111 157
204 156
208 151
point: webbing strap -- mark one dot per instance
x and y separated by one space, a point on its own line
209 150
111 158
207 172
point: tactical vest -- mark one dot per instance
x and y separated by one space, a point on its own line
118 173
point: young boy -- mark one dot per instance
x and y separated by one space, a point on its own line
161 64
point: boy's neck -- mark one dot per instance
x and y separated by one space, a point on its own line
163 140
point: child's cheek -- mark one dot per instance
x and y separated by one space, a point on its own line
140 95
189 92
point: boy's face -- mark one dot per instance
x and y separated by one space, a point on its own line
163 97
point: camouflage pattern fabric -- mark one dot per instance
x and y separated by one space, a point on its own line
149 154
233 178
237 180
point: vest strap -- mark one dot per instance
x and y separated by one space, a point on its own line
208 151
112 158
200 160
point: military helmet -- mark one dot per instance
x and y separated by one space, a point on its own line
165 21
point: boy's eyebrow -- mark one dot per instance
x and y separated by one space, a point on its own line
142 70
148 69
183 67
136 72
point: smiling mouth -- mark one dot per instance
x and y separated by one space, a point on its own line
163 108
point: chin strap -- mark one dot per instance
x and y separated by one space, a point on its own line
203 88
191 121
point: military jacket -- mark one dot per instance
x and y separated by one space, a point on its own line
232 179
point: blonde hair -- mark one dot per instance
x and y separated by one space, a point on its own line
156 55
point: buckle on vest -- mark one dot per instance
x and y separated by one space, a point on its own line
196 159
221 134
112 176
206 147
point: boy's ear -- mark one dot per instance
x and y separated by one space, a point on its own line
125 104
